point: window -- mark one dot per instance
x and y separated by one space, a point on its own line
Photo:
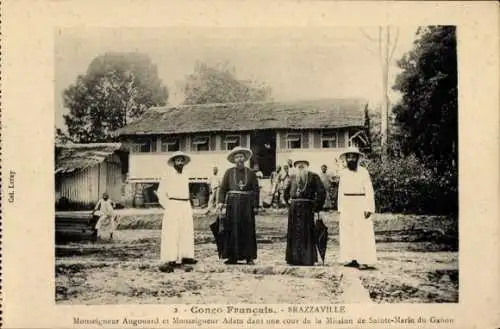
231 141
294 141
170 144
144 146
329 139
201 143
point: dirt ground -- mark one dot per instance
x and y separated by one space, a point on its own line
418 263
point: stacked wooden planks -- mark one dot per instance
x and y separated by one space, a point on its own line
74 226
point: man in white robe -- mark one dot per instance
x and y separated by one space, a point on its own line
177 233
107 217
356 204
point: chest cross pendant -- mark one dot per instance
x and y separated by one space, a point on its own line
241 185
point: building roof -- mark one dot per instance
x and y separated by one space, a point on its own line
71 157
318 114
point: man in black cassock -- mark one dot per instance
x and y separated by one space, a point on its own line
307 196
238 190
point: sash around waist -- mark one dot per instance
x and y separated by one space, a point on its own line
241 192
301 200
354 194
178 199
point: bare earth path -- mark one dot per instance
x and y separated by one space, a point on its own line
126 271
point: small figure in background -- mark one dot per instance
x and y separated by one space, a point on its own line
291 168
327 180
275 175
104 209
284 182
214 189
259 176
275 183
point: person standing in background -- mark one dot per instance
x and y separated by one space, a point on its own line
291 169
105 211
214 189
327 180
259 176
275 179
284 180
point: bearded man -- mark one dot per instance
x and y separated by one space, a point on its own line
177 232
356 204
239 189
307 196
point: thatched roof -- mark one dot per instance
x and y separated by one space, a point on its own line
319 114
71 157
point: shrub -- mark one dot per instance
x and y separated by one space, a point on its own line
406 185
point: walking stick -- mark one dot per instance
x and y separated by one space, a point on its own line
317 240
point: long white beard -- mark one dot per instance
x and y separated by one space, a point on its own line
302 175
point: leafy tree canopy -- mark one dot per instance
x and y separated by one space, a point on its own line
218 84
117 88
427 112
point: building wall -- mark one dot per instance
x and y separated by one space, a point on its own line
86 186
114 179
150 166
316 158
80 186
312 149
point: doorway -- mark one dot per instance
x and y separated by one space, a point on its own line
263 146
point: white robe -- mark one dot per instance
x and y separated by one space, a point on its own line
177 233
356 233
107 218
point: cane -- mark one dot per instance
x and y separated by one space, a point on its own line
317 239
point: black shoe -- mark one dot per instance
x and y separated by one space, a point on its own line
167 267
250 262
189 261
353 263
230 262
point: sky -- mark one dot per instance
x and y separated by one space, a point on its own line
297 63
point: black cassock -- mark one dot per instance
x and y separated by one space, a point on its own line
305 199
239 188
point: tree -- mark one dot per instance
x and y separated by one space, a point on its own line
218 84
61 137
427 112
386 43
117 89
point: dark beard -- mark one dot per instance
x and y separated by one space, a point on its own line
178 168
352 165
